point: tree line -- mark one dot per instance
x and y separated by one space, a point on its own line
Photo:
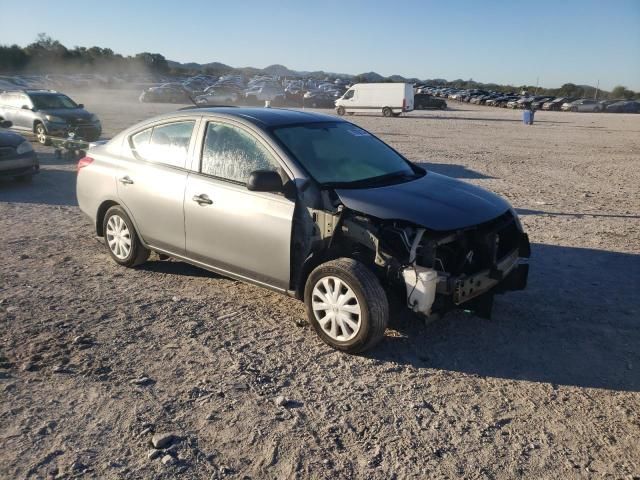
46 55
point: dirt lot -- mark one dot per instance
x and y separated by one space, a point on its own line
96 358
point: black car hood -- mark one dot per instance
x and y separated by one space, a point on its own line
77 114
10 139
433 201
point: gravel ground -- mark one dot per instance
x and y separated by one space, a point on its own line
96 360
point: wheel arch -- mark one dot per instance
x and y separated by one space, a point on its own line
102 211
340 247
36 122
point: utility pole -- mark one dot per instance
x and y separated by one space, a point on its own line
595 97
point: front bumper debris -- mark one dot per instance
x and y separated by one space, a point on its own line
507 274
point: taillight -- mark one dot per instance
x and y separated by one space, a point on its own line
84 161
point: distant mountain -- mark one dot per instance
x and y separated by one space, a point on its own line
279 71
217 68
371 77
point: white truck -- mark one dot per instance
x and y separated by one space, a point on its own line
391 99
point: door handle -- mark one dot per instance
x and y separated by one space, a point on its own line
126 180
202 199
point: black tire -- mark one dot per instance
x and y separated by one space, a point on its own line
387 112
371 297
340 110
138 254
41 134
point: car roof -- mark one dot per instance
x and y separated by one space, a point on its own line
266 117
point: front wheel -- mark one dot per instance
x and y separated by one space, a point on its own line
41 134
346 305
122 240
340 111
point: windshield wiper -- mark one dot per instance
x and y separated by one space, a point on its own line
380 180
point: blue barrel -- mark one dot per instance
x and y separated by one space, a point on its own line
527 117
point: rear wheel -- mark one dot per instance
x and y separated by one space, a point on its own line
41 134
122 240
387 112
346 305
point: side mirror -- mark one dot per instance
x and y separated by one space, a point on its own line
264 181
81 105
5 124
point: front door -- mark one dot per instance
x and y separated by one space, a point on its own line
229 227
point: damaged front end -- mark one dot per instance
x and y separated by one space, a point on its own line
437 271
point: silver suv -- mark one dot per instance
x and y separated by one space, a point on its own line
305 204
47 114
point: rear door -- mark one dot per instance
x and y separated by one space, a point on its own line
408 95
229 227
8 108
151 185
24 117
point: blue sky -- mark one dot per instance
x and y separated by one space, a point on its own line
500 41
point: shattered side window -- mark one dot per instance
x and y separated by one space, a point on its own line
232 154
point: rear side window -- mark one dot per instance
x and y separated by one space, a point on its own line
167 144
232 154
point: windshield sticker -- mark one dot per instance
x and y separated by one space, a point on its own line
359 133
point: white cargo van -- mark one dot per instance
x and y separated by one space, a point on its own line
388 98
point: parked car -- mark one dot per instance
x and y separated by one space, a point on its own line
263 93
166 93
422 101
627 106
556 103
605 103
583 105
514 103
48 113
217 96
319 99
304 204
537 103
390 99
17 158
502 101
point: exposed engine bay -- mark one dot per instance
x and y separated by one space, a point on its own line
435 271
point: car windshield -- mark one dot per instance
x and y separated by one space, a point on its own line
47 101
340 154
